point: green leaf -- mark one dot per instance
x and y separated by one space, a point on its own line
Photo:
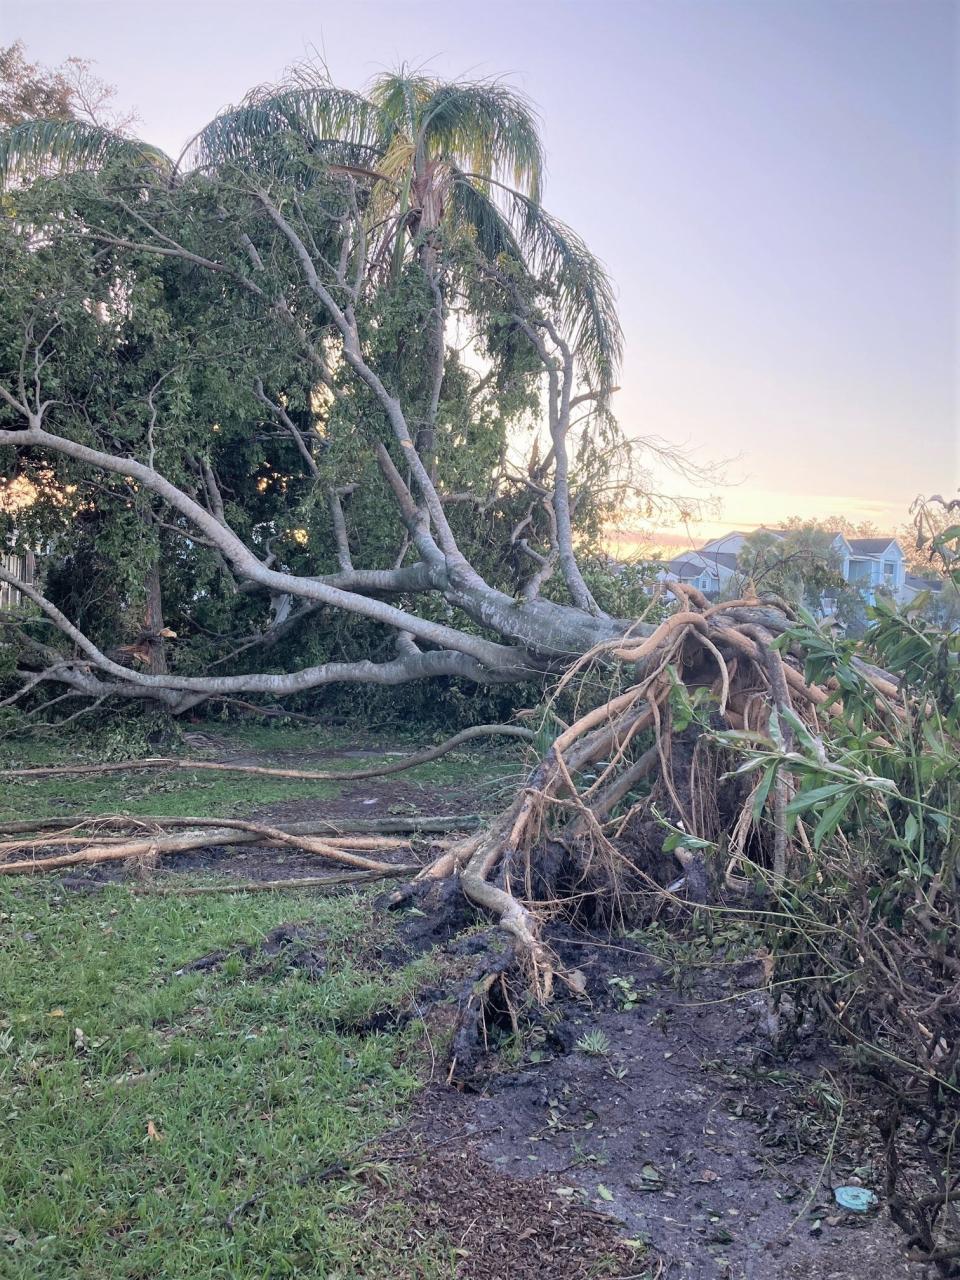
831 818
763 790
805 800
804 736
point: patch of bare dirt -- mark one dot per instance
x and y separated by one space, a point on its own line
376 798
288 946
380 798
676 1116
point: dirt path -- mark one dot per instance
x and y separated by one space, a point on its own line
457 789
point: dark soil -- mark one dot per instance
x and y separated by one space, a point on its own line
288 946
686 1126
368 798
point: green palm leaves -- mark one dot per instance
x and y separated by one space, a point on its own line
35 147
461 156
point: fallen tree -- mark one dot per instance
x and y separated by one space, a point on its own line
305 447
297 271
348 304
730 652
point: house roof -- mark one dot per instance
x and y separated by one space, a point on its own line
682 568
922 584
871 546
832 534
689 566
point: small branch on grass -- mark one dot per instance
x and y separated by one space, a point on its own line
311 827
153 846
309 775
54 840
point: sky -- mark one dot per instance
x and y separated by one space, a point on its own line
772 184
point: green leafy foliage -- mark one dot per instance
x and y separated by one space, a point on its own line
150 355
799 565
866 926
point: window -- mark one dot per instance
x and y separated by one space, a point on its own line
889 570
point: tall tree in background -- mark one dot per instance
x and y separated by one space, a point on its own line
800 565
31 92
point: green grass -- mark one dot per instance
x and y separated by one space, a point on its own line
170 794
249 1074
491 772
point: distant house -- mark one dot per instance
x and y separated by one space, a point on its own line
866 563
869 563
24 569
913 586
708 570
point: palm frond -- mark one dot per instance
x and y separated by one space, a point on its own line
584 290
489 129
471 206
556 256
36 147
343 126
400 96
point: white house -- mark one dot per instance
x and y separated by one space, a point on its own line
708 570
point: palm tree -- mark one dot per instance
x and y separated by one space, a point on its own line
463 156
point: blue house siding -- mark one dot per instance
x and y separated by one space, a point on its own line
869 564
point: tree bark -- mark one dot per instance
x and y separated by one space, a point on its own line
156 654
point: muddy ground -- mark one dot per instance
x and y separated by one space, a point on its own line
682 1123
636 1112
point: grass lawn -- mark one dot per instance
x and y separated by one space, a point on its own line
492 771
139 1108
156 1124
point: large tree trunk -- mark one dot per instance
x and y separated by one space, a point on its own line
155 655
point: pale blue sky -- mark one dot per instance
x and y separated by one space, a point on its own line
772 183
